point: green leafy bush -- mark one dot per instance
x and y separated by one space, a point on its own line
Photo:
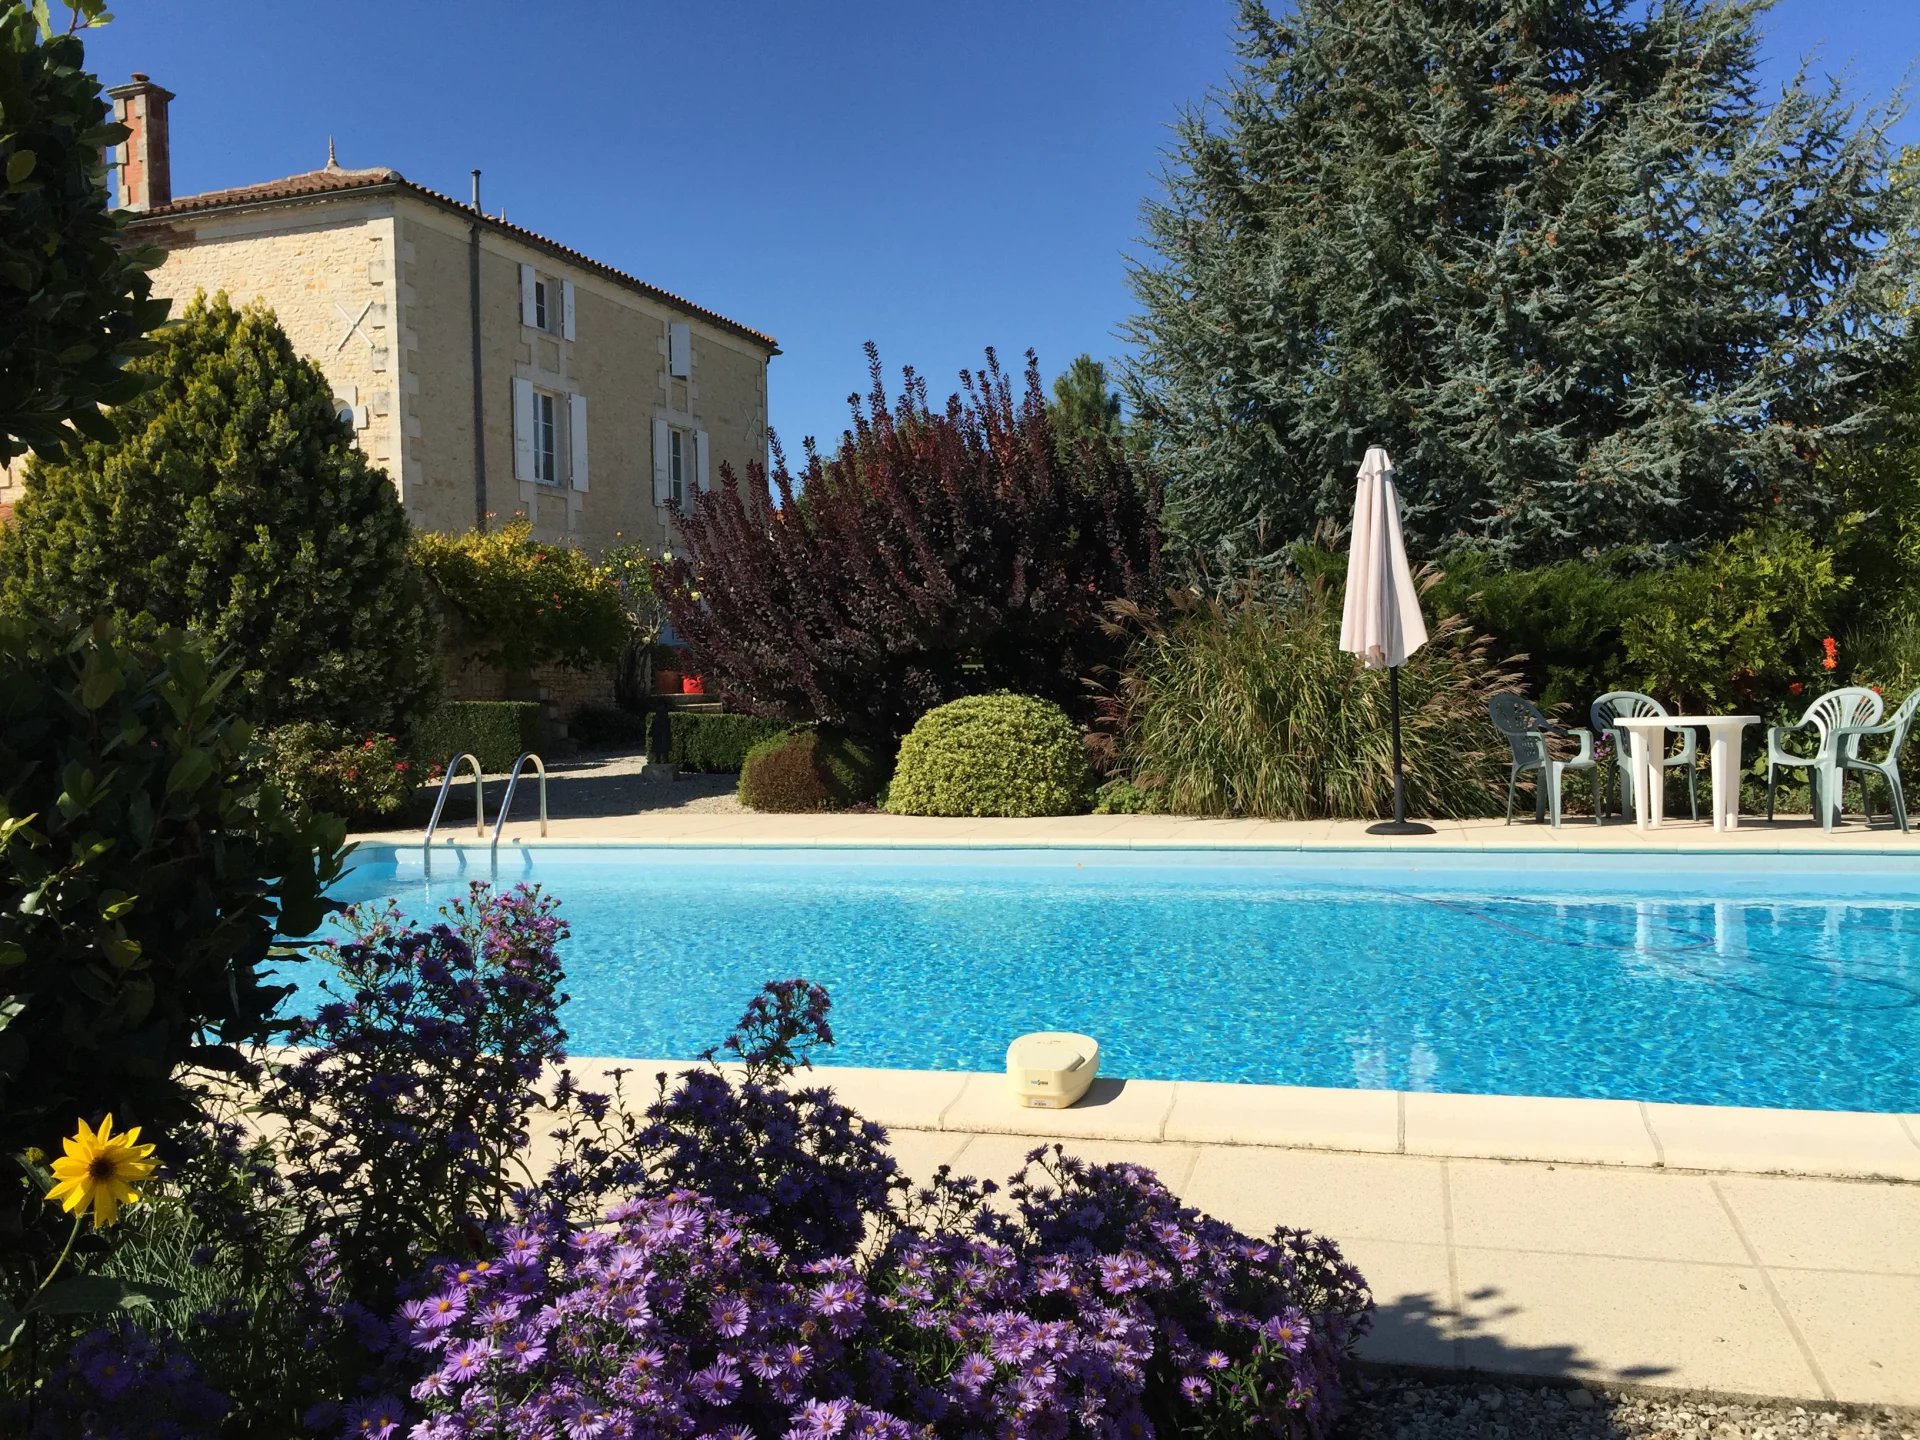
717 744
601 727
1738 625
1120 796
992 755
809 770
77 300
357 777
1250 707
232 503
144 876
1562 621
497 732
517 602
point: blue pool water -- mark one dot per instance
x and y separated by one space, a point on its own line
1762 980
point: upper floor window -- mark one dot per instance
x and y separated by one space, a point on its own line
546 303
677 466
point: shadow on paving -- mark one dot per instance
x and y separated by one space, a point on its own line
1419 1329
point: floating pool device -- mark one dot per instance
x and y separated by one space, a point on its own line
1050 1069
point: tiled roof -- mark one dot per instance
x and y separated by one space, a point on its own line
333 180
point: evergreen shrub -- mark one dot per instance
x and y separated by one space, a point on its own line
809 770
233 503
498 732
999 755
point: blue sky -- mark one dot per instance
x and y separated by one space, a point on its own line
934 177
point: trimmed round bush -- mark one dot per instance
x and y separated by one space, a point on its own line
806 770
1000 755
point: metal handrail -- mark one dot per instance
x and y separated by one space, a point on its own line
500 820
479 798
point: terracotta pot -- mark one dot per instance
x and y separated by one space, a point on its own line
693 685
666 682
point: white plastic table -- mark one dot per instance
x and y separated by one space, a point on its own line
1647 740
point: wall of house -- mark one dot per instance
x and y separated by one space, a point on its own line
617 360
376 290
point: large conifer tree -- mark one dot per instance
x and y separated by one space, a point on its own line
234 504
1563 258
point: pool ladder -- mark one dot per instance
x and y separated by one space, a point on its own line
479 800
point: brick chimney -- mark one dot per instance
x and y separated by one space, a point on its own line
143 171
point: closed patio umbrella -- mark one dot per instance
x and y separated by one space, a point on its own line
1381 622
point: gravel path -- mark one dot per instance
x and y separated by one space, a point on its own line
1397 1409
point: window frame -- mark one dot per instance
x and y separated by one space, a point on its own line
676 466
546 437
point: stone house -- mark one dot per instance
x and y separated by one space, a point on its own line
489 369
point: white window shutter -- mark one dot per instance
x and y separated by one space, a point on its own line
680 349
700 459
662 476
566 314
526 296
577 438
522 429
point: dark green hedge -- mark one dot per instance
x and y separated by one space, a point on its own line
719 743
498 732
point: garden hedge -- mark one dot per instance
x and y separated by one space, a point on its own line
998 755
718 743
498 732
809 770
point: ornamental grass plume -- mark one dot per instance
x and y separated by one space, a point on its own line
99 1171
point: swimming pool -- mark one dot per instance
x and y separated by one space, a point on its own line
1754 980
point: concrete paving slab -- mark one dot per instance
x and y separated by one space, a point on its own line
921 1152
1415 1322
911 1099
1707 1327
1830 1142
1519 1127
1863 1330
1614 1211
1110 1110
1828 1224
1349 1197
1291 1115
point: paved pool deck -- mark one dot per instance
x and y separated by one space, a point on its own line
1701 1248
665 824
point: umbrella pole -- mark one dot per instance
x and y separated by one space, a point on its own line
1399 825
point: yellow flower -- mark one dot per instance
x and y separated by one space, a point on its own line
100 1169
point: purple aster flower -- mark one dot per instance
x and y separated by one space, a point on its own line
820 1420
973 1372
729 1315
718 1384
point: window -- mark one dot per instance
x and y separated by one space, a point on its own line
677 466
546 304
546 445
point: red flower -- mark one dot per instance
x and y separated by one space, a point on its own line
1832 647
1795 688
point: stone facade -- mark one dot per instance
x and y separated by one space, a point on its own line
372 277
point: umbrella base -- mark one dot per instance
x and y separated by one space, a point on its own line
1399 827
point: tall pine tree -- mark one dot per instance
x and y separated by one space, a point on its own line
233 504
1562 257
